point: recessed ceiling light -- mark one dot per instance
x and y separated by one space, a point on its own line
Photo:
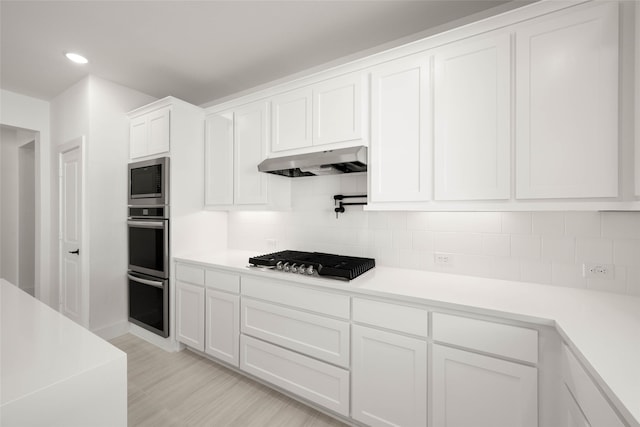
78 59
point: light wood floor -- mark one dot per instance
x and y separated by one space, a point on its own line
186 390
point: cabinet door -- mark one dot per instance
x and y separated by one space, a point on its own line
471 390
291 120
472 97
573 414
219 159
338 109
567 105
190 315
223 326
138 137
159 124
389 378
251 131
401 146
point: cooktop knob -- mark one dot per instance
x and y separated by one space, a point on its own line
301 269
310 270
286 267
294 268
279 265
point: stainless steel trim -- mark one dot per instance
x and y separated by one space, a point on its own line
343 160
150 199
146 224
153 283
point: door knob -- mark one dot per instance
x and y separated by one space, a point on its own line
77 252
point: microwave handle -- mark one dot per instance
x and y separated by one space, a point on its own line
145 281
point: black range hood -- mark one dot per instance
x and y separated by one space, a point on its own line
330 162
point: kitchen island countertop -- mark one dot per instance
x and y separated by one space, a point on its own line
604 328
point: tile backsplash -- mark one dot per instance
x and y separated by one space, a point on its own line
540 247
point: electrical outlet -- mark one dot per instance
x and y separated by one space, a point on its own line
597 271
442 259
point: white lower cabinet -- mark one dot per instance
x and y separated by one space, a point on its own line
311 379
473 390
587 406
389 378
190 315
222 326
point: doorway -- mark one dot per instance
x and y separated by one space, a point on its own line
18 207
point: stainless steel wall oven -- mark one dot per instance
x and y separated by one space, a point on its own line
148 246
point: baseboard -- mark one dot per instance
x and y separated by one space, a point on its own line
167 344
112 331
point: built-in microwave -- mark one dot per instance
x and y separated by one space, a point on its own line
149 182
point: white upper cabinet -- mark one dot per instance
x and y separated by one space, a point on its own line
401 128
150 133
339 109
291 120
219 159
251 132
472 99
567 104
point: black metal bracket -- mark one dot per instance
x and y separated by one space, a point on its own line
337 199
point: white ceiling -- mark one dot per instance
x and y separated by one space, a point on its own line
200 51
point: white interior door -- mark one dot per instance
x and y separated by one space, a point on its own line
73 294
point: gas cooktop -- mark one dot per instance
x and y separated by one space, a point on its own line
315 264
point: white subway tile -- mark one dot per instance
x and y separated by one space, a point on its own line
548 223
535 271
481 222
402 239
582 224
594 250
567 275
633 280
417 220
378 220
528 247
397 220
348 184
626 252
423 240
383 239
516 222
463 243
621 225
617 284
473 265
496 245
559 249
505 268
408 259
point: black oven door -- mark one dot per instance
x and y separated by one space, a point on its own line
149 246
149 303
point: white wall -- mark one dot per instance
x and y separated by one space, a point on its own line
27 215
97 109
9 195
30 113
540 247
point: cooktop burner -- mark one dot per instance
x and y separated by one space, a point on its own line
315 263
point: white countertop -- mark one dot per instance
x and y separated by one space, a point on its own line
603 327
41 348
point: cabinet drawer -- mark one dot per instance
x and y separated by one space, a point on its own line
190 273
222 280
504 340
320 337
592 403
396 317
311 379
297 296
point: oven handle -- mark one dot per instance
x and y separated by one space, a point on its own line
145 281
148 224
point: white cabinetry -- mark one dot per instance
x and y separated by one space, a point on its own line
208 311
235 143
150 133
567 104
190 314
291 120
592 408
476 390
473 390
339 112
389 369
472 99
401 128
